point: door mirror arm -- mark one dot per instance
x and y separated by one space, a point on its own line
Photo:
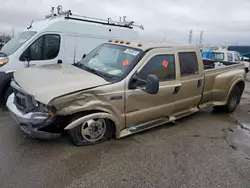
26 56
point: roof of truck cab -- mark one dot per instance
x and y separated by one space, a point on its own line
149 45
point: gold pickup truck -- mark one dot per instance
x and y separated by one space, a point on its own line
121 88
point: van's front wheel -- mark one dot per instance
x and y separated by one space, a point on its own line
91 132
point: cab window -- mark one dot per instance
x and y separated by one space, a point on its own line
236 57
230 56
46 47
163 66
188 63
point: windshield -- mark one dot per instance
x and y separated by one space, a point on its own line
15 43
111 60
218 56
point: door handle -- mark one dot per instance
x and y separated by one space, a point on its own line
176 89
199 83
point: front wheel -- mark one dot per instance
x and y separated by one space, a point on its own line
91 132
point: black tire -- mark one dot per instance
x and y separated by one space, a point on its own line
8 92
233 101
246 70
77 138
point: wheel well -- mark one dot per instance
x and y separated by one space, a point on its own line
84 113
241 86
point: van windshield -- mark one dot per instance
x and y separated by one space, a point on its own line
15 43
109 59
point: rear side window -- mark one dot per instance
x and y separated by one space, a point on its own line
163 66
230 57
188 63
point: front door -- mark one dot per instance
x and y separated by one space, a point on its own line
192 81
44 50
142 107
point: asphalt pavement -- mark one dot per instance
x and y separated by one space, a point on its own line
206 149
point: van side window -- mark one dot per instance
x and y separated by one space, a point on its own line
163 66
36 49
188 63
45 47
230 57
51 46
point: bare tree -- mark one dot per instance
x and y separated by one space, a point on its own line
4 38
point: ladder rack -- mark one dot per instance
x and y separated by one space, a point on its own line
68 15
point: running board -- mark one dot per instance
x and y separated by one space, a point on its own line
186 113
135 129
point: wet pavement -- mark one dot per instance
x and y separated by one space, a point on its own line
203 150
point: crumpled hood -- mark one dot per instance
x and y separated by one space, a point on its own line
50 81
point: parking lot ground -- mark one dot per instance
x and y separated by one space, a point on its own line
203 150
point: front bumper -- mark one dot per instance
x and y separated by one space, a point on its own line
32 122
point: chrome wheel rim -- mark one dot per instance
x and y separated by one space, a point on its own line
93 130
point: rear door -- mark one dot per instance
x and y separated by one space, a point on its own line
142 107
191 79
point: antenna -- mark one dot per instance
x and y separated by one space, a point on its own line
201 39
30 25
190 38
74 55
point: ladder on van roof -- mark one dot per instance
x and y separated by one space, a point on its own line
68 15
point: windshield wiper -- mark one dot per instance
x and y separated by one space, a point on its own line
103 75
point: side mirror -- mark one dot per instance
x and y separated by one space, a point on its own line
152 84
25 56
84 55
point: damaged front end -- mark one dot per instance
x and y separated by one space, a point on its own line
34 118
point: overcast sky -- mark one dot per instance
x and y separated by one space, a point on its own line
223 21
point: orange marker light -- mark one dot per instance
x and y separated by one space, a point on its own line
125 63
110 41
165 64
121 41
140 45
116 41
127 43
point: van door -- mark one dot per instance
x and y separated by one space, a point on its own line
142 107
192 81
44 50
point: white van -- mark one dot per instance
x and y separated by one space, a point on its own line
60 38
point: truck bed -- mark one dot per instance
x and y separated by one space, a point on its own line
217 81
211 64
